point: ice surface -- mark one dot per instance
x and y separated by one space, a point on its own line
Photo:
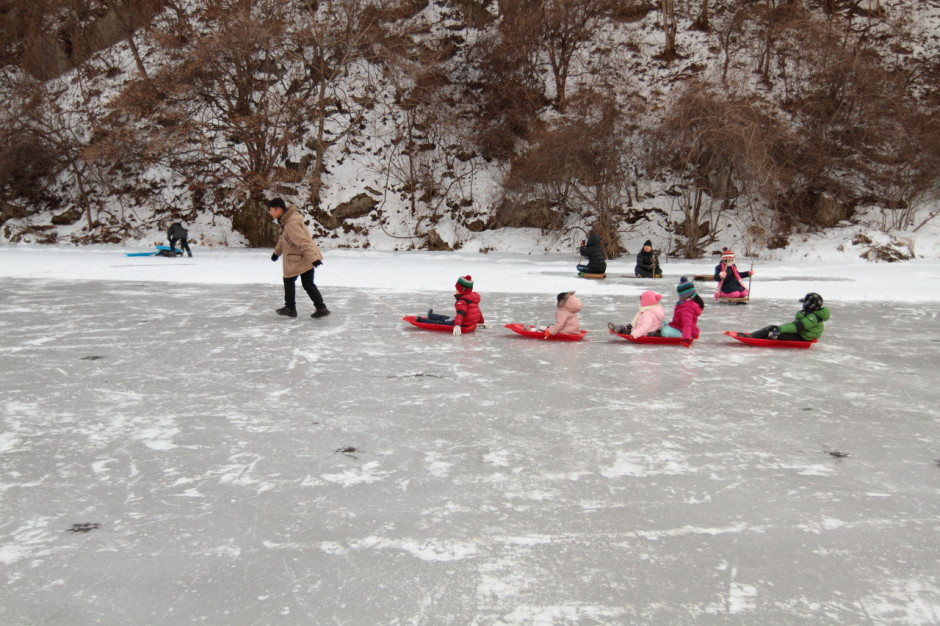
247 468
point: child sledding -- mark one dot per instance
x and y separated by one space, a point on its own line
467 314
596 267
804 331
730 288
682 330
566 327
648 320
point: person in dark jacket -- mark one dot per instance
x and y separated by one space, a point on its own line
647 262
807 326
175 233
301 258
597 262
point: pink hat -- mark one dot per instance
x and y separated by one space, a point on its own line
649 298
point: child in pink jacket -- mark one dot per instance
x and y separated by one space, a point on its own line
684 322
566 315
647 321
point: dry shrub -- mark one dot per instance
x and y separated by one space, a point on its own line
715 149
576 168
859 133
26 164
509 91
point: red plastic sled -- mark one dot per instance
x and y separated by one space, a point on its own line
443 328
769 343
538 334
665 341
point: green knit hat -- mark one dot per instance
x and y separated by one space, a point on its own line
685 289
464 284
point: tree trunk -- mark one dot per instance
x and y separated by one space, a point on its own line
701 22
670 26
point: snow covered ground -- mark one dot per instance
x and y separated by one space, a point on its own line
171 451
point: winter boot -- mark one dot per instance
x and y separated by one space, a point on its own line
611 326
287 311
321 312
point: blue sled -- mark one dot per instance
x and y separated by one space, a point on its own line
159 248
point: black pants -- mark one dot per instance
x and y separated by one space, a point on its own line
764 332
437 318
183 244
306 281
645 273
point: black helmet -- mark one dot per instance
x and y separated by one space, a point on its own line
812 302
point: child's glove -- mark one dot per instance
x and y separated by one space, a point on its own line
723 274
457 331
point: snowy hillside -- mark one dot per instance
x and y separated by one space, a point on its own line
411 126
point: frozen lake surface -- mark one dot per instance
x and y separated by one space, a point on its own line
178 453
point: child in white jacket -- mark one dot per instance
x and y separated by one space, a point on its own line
648 320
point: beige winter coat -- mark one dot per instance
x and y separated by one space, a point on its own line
566 317
295 245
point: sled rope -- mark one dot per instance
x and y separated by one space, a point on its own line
381 301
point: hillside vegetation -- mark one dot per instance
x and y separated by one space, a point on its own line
417 123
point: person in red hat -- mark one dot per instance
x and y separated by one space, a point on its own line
466 307
729 278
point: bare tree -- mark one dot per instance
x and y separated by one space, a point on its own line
702 21
713 149
566 26
252 84
670 25
507 89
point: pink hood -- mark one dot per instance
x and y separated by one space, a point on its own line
566 317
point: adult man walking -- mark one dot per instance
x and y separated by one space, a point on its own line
301 256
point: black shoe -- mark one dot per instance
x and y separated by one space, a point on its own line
320 313
287 311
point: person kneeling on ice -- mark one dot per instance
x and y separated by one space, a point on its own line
647 321
685 318
808 325
566 315
594 251
647 262
467 308
729 278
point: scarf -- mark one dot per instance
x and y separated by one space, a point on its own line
643 308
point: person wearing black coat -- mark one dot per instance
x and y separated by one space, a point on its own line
597 262
647 262
175 233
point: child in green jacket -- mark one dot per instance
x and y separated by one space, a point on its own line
807 326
